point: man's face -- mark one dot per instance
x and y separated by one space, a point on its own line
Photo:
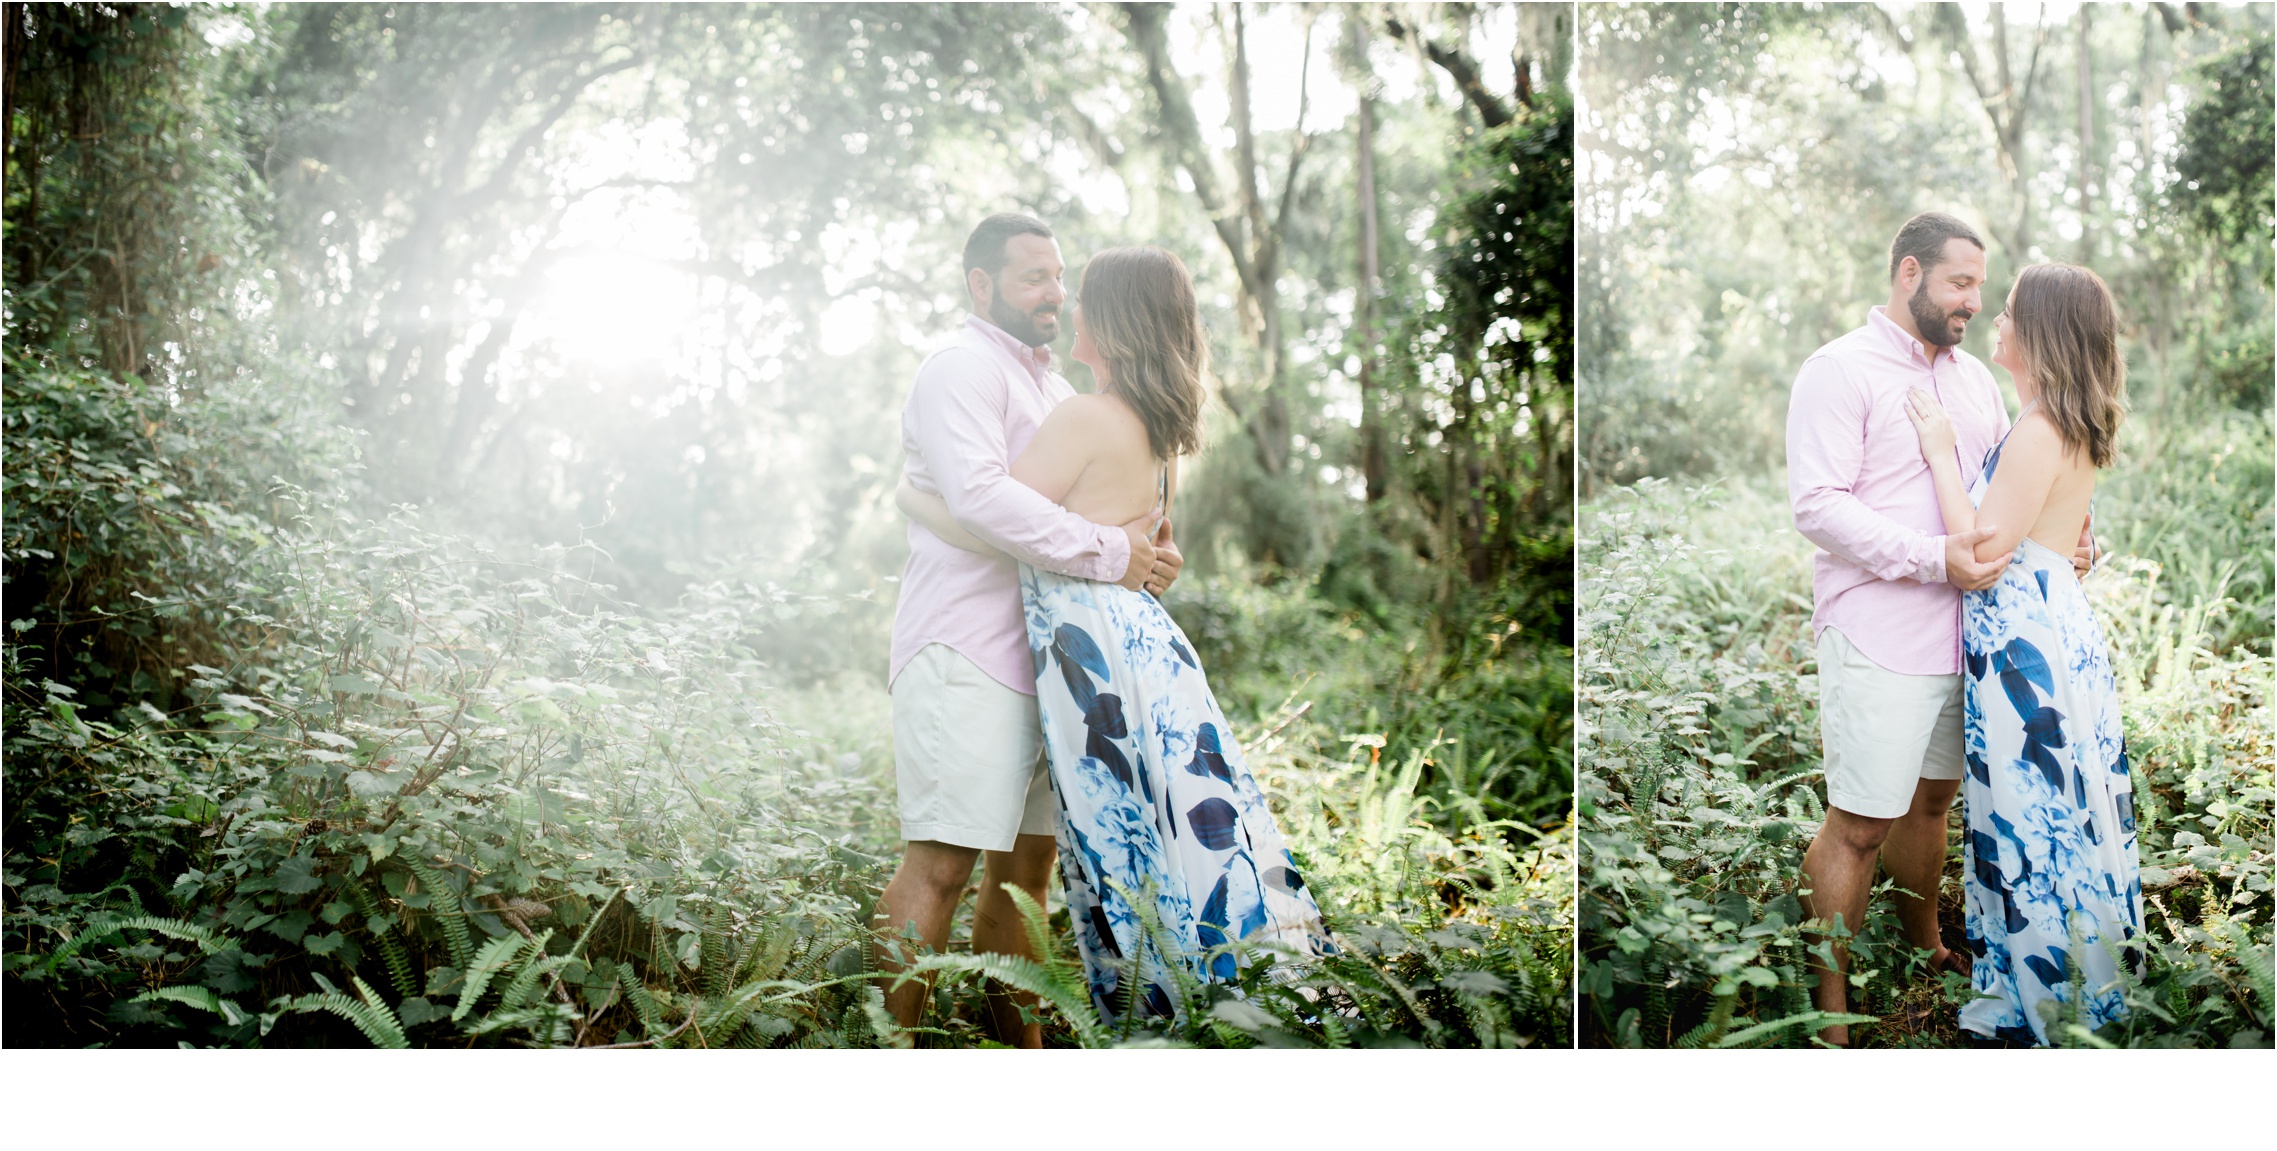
1026 293
1950 292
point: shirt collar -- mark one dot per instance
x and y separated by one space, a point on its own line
1038 361
1878 318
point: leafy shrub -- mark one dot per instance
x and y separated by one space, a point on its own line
1485 698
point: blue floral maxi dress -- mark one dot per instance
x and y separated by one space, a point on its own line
2053 888
1154 797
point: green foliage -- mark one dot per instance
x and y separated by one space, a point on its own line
1484 697
2229 141
2225 192
1485 413
1700 789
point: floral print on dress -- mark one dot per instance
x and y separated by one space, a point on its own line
1153 795
2052 883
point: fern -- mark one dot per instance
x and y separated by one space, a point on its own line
714 947
370 1015
519 991
210 942
643 1004
199 997
884 1032
443 900
1072 1002
768 956
1719 1020
391 952
1746 1036
661 961
2258 968
1037 923
547 1023
495 956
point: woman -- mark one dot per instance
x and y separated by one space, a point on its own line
1155 801
2054 891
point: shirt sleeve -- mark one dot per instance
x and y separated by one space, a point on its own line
956 420
1826 451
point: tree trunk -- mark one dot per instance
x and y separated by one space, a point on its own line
1251 239
1544 43
1372 463
1263 235
2004 104
2086 136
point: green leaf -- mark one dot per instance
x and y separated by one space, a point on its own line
297 875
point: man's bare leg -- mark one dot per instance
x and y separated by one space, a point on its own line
997 926
1914 855
924 891
1838 873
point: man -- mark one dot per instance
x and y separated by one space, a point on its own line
968 743
1887 586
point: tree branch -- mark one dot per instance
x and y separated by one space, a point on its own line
495 186
1148 33
1457 64
1271 241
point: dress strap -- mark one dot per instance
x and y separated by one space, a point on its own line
2020 414
1992 457
2094 546
1161 490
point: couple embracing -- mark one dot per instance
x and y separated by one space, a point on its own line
1044 703
1957 653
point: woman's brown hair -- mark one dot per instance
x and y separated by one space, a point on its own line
1139 311
2067 329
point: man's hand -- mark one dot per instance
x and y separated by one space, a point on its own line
1141 568
1961 567
1167 560
2083 560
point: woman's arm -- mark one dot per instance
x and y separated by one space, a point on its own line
1936 431
933 512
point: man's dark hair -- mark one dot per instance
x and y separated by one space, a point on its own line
1922 238
984 249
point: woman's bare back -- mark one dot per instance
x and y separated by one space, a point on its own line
1092 457
2064 515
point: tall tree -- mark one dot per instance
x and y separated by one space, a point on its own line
1373 469
1253 234
2007 102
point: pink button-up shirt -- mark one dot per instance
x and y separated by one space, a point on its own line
1862 493
976 404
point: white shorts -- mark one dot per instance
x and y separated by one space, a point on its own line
1883 730
968 755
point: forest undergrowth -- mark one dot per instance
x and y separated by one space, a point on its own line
434 797
1700 785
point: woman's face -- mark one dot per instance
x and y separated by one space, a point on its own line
2004 349
1085 352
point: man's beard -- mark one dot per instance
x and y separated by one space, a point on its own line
1936 327
1022 326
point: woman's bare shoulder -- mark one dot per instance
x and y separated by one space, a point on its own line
1097 414
2035 443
